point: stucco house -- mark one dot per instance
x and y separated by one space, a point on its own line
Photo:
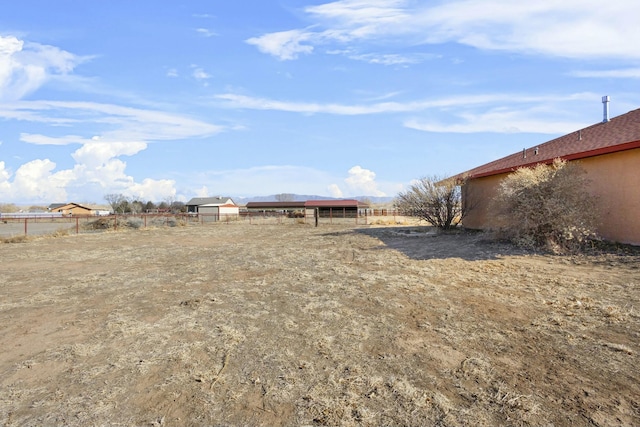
71 209
609 152
213 208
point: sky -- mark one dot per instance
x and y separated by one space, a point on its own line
169 100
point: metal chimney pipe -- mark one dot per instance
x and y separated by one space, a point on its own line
605 109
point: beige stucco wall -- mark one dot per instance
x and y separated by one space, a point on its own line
74 210
477 196
615 181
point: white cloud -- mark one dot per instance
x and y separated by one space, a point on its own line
571 28
25 66
35 180
200 74
37 139
205 32
172 72
118 123
5 185
363 182
152 189
97 165
335 191
96 154
284 44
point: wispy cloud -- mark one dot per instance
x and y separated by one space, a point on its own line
497 113
200 74
385 58
113 122
27 66
243 101
206 32
625 73
498 121
571 28
284 44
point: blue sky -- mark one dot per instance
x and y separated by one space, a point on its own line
164 100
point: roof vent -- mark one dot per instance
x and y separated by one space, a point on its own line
605 109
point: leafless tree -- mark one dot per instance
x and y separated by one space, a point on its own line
435 199
117 201
135 206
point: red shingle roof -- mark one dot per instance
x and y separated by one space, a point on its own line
619 134
331 203
275 205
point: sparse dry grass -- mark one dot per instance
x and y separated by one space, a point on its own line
237 324
15 239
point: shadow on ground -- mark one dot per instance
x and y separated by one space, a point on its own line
423 243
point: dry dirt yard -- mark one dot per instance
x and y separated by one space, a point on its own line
237 324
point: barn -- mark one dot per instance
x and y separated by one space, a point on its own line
609 152
346 208
329 208
211 209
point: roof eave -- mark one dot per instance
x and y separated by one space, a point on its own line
570 157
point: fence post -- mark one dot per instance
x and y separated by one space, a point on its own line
25 226
77 225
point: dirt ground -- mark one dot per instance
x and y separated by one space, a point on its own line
238 324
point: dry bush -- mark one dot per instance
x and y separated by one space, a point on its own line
100 224
134 223
546 206
16 239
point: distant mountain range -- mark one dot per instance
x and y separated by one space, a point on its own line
303 197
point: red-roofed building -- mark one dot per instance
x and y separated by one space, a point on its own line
347 208
610 154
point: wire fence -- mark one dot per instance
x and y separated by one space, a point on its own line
12 225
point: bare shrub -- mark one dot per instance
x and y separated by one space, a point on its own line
99 224
435 199
546 206
16 239
134 223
